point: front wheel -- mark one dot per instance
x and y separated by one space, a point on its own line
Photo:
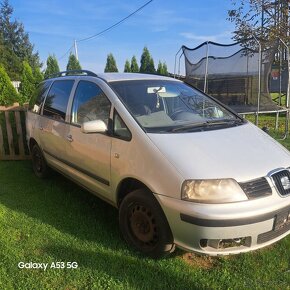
144 225
39 164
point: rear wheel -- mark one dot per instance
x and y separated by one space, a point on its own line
39 164
144 225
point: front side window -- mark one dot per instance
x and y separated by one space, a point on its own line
37 99
171 106
90 103
57 99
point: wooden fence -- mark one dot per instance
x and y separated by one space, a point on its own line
13 134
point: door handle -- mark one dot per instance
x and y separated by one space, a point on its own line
41 128
69 138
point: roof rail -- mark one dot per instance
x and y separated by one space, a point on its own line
71 73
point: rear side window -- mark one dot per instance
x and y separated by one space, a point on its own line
90 103
37 99
57 99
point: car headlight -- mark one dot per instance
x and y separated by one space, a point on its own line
212 191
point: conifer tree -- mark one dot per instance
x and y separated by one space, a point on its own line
8 94
127 67
51 66
111 65
134 65
73 63
145 60
27 85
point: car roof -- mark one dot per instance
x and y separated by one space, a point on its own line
113 77
110 77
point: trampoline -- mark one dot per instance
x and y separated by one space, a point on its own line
238 76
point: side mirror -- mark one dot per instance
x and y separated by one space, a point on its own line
95 126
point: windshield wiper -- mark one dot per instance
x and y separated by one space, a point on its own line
224 121
207 124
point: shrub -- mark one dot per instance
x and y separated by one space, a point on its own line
27 85
8 94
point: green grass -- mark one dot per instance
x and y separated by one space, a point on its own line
275 98
54 220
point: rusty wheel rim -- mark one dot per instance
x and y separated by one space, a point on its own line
143 225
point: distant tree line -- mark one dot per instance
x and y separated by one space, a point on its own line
146 64
18 61
52 66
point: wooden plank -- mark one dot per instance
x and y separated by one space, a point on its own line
14 108
2 151
9 134
19 133
15 157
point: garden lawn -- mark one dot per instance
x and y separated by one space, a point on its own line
53 220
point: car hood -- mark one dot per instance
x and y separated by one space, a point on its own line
244 152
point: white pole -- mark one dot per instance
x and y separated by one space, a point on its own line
288 60
76 50
175 61
179 63
259 80
288 91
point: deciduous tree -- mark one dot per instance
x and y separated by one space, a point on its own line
265 19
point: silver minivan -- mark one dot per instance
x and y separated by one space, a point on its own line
183 169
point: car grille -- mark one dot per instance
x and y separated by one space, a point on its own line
282 181
256 188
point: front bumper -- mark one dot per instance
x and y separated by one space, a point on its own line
222 229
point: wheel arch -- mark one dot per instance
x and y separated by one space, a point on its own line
128 185
31 143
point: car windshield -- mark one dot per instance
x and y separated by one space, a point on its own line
172 106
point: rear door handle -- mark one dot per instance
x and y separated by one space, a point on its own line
69 138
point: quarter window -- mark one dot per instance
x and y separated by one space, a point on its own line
57 99
90 103
120 129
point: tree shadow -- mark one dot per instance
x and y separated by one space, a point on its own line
62 204
58 202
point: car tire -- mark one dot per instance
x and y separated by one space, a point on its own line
39 164
144 225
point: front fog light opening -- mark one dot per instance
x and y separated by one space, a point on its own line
220 244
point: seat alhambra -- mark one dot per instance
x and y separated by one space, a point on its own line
182 168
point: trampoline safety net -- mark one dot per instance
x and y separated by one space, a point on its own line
230 73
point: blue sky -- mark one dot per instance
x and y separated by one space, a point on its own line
162 26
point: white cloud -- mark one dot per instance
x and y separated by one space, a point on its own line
202 38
